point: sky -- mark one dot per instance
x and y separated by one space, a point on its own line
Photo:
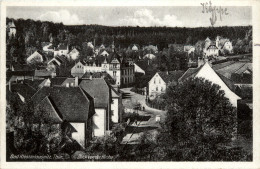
146 16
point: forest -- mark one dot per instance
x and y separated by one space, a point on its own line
30 35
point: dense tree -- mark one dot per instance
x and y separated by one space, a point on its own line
199 118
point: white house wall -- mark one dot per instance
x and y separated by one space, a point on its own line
99 122
79 68
156 85
79 136
208 73
114 108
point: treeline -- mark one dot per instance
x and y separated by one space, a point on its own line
123 36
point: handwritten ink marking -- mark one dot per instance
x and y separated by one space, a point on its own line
214 10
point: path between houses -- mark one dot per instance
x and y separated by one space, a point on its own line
149 126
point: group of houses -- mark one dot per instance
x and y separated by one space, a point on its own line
121 69
87 107
232 77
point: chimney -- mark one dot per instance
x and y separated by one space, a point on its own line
76 81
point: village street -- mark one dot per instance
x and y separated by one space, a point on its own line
137 129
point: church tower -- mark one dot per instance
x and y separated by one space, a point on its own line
12 29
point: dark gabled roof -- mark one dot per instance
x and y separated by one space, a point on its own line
21 67
61 59
143 64
104 75
171 76
20 73
97 89
62 47
191 72
227 81
222 65
23 89
51 115
57 81
43 73
34 84
71 102
241 78
113 55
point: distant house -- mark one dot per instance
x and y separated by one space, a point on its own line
70 107
73 54
189 49
62 49
149 56
89 44
151 48
224 45
119 68
53 63
208 73
135 48
102 47
104 53
56 62
36 57
158 83
220 45
47 47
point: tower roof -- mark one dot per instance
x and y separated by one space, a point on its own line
11 24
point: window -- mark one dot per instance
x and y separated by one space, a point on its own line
159 81
161 89
154 80
114 73
112 112
156 88
112 102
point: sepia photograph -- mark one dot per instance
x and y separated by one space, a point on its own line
128 83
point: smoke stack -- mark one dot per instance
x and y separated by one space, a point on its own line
76 81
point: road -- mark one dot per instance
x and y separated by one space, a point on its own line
142 126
